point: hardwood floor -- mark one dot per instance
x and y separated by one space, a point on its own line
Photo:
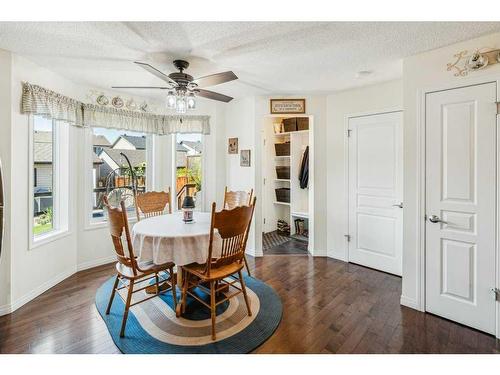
329 307
278 244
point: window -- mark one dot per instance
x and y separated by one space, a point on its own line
188 166
109 167
50 170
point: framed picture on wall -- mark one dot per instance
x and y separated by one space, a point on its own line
232 146
288 106
245 158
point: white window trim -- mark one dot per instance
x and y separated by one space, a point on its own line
60 185
89 224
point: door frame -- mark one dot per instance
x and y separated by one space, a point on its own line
419 304
347 118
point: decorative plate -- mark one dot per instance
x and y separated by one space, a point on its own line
102 100
117 102
131 105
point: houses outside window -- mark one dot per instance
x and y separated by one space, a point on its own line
49 157
110 169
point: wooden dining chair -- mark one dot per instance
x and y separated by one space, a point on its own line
153 203
233 227
130 272
233 199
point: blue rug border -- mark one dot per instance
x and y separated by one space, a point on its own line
138 341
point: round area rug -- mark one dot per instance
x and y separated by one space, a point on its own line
153 328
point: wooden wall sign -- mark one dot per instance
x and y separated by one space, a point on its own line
288 106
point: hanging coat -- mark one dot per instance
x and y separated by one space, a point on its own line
304 169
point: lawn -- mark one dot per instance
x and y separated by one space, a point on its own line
40 229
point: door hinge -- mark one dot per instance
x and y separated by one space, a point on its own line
348 237
264 142
349 132
264 220
264 181
498 108
496 292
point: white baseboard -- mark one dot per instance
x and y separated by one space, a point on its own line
409 302
10 308
95 262
5 309
36 292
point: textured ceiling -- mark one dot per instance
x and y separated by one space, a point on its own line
269 57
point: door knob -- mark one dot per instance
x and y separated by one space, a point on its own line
400 205
436 219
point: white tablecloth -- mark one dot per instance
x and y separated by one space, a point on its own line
167 238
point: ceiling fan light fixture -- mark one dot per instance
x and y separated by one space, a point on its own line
171 100
181 105
191 101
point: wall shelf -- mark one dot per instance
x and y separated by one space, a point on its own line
303 215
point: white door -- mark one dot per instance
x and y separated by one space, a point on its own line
460 205
376 191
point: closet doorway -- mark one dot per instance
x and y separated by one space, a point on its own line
288 179
375 185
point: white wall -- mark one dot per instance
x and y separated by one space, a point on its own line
5 159
370 99
421 72
240 123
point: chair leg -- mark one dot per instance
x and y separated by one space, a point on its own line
112 295
246 265
157 279
173 283
212 307
127 306
244 290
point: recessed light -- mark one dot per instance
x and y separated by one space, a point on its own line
364 73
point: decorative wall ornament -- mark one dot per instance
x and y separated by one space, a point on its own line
288 106
232 146
245 158
466 61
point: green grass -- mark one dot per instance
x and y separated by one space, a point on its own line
40 229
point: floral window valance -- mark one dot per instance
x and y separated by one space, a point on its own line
37 100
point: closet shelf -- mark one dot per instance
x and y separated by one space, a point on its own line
304 215
282 180
283 157
283 203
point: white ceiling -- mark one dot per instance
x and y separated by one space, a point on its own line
268 57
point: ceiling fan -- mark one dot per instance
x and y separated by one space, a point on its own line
183 88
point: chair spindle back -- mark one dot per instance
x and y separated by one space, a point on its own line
233 227
118 224
153 203
233 199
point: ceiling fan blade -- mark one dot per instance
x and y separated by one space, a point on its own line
213 95
140 87
156 72
215 79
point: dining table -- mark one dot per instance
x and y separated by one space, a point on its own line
167 238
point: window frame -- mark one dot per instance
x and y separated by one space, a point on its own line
90 224
60 183
173 141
